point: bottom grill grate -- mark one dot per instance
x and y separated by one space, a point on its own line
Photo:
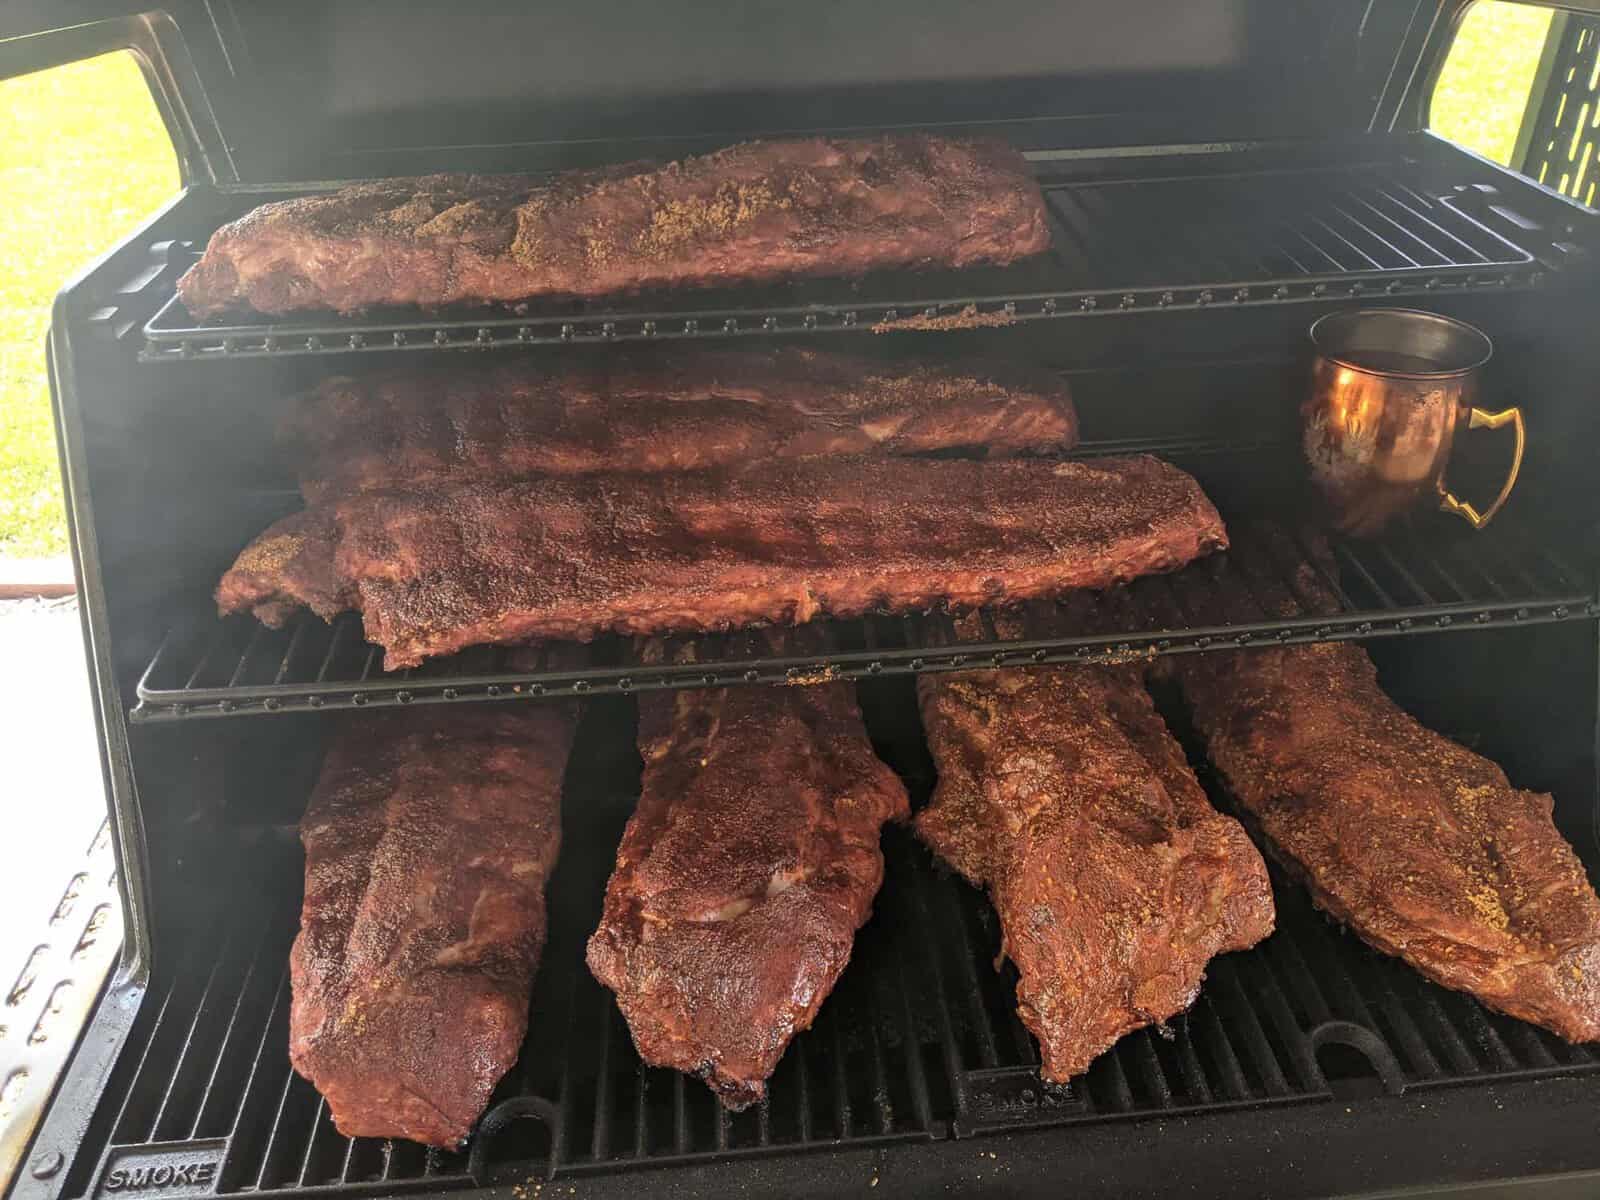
920 1040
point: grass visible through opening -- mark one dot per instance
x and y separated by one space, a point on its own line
1488 74
84 159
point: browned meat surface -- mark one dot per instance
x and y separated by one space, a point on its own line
673 414
759 211
436 569
428 841
1063 793
1422 847
750 863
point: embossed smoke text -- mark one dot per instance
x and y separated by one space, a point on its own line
166 1175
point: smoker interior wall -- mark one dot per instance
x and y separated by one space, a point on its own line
355 81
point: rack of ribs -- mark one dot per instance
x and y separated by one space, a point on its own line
1420 846
1062 792
434 569
744 873
756 212
428 842
679 413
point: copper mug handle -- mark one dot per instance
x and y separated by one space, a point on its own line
1479 419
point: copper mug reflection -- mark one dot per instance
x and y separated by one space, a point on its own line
1389 389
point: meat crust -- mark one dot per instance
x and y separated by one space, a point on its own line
1420 846
754 212
685 412
743 875
428 842
1062 792
436 569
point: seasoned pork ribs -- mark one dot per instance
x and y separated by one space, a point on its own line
434 569
1062 792
750 863
428 841
1422 847
680 413
752 213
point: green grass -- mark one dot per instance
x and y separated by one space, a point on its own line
1487 76
84 158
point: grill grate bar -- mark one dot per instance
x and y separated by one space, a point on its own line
1418 207
1462 1060
1405 1029
971 989
349 1160
1396 229
836 1069
1256 1037
267 1061
128 1112
276 1132
1326 972
1435 561
600 1139
212 647
1284 958
680 1113
1234 1084
883 1106
318 1122
1478 1025
1422 594
641 1113
921 1099
1355 563
802 1093
210 1094
1151 1072
162 1127
1121 1091
1195 1085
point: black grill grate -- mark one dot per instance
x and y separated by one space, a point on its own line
1243 236
920 1039
1430 581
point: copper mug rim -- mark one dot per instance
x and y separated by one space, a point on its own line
1323 329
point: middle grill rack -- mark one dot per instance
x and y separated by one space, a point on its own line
1407 582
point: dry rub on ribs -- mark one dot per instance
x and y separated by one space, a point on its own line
1063 793
1422 847
684 413
743 876
428 842
760 211
434 569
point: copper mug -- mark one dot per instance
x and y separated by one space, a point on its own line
1389 388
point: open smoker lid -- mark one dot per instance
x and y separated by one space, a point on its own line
303 89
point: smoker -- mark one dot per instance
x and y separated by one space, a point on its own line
1217 174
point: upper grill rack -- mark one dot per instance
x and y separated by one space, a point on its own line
1229 233
1402 583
